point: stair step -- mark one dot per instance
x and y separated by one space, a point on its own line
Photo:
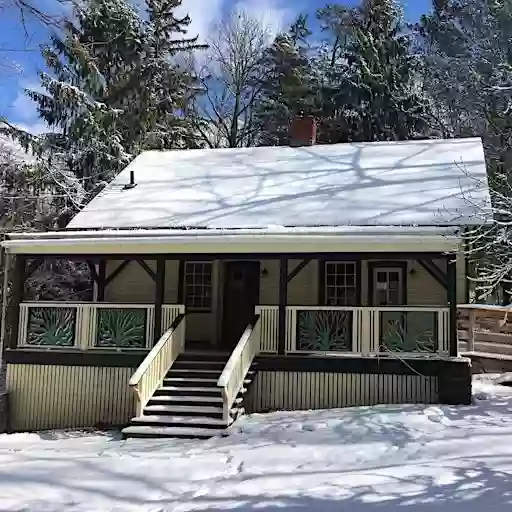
202 421
195 381
193 374
193 410
189 390
198 366
189 398
204 356
180 432
206 372
186 381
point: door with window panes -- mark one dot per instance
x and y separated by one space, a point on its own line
388 289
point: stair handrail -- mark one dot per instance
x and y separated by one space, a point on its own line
233 375
153 369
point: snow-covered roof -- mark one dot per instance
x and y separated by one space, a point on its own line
428 182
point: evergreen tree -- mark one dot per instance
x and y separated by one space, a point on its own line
162 86
370 81
288 86
383 79
87 139
466 46
114 88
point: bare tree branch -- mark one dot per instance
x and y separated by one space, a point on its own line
231 78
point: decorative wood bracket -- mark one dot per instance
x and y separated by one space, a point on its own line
146 267
116 272
432 268
296 271
32 267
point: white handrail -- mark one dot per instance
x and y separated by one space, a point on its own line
151 372
232 377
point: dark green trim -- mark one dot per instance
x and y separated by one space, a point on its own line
349 364
181 282
321 283
452 301
116 272
283 301
17 293
102 275
455 385
159 297
92 358
92 270
298 269
32 267
434 271
387 264
148 269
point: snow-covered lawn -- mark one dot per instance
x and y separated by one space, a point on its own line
372 459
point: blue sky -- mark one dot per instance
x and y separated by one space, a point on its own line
20 59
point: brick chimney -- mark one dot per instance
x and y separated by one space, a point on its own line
302 131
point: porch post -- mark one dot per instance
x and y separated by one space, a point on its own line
283 299
5 287
159 296
451 278
18 285
102 275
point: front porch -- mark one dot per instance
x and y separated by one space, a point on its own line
324 330
357 303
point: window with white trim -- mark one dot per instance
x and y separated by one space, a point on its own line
340 283
198 285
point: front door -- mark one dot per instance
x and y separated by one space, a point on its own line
388 286
241 295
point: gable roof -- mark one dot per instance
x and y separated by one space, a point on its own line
425 182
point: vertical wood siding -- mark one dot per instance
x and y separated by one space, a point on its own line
55 396
318 390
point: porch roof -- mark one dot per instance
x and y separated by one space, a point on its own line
368 239
421 182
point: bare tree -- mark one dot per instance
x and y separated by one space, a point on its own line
230 77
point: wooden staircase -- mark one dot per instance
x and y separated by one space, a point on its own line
189 404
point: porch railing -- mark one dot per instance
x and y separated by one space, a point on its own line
363 330
91 325
232 377
151 372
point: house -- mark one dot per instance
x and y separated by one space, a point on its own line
310 276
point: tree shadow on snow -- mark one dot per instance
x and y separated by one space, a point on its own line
54 435
473 489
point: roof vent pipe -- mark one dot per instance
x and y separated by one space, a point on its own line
132 181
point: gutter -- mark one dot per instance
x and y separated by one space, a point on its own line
356 231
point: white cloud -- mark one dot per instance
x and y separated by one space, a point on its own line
272 13
23 108
203 15
35 127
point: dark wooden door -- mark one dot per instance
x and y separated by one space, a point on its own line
241 295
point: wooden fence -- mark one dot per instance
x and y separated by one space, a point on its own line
485 330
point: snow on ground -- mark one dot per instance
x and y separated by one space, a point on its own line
371 459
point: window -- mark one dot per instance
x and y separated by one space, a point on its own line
341 287
388 286
198 285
